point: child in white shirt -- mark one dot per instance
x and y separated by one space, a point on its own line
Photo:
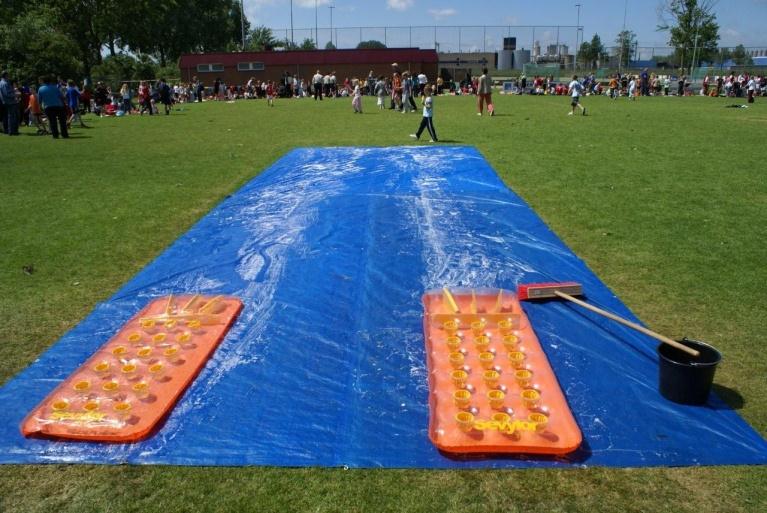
575 89
427 122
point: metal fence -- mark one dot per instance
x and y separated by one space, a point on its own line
543 41
485 38
653 53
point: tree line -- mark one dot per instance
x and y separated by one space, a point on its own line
72 38
693 34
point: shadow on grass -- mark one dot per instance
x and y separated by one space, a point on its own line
730 396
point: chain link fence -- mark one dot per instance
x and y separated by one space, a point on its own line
451 39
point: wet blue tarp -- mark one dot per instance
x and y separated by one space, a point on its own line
330 250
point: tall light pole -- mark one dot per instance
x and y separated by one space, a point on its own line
242 22
696 22
694 54
316 27
577 33
291 24
331 7
623 35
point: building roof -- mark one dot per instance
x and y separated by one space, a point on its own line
319 58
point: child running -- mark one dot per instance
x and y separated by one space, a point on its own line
574 90
427 121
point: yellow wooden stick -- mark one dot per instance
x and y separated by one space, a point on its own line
499 302
450 300
169 305
209 305
473 306
190 303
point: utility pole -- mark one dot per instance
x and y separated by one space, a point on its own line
695 46
292 42
316 27
577 34
331 7
623 36
242 22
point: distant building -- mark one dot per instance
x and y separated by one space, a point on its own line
237 67
455 65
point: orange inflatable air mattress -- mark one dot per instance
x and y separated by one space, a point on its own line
133 381
491 388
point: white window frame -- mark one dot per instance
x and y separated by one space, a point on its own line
250 66
210 68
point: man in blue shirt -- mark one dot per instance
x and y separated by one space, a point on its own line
52 101
10 102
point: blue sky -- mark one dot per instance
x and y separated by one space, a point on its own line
740 21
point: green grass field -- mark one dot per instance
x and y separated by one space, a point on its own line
664 198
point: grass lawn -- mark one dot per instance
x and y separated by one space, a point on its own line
664 198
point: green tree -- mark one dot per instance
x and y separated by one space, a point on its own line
308 44
330 46
145 68
79 32
31 46
692 27
261 39
173 27
286 44
593 52
115 69
584 53
740 56
365 45
625 44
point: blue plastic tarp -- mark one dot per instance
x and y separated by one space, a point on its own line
330 250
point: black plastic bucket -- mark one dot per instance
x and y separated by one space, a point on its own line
684 378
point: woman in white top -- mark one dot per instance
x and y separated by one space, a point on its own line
484 93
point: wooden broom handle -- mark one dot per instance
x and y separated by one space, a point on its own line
632 325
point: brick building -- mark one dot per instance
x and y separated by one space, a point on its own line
237 68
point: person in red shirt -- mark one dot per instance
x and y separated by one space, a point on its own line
144 98
270 90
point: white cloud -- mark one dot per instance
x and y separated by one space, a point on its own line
439 14
253 9
730 34
399 5
310 3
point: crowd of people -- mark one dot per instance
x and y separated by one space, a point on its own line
648 84
53 105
